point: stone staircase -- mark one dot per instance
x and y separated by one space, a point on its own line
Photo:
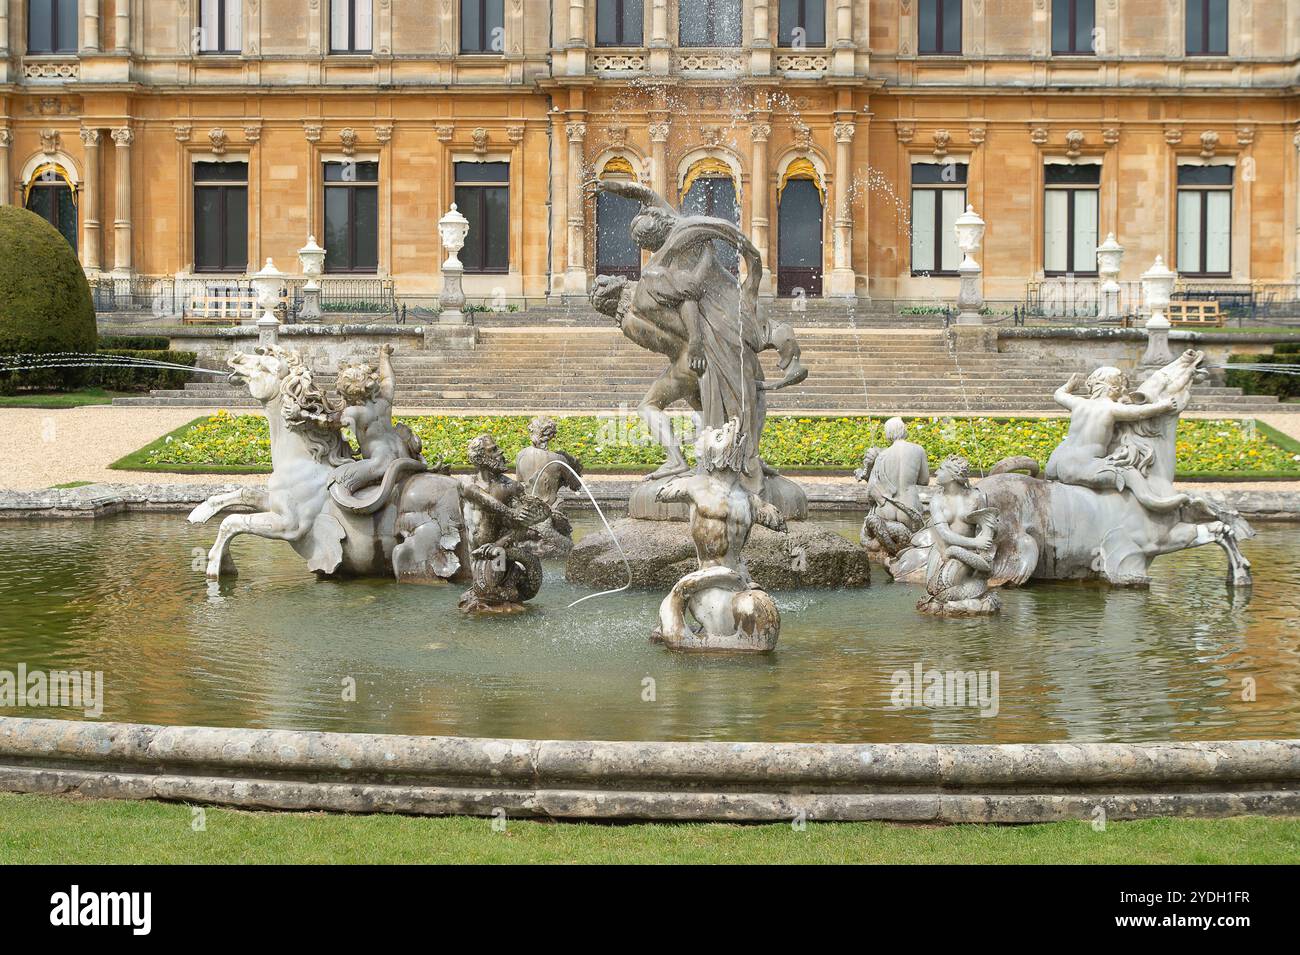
581 369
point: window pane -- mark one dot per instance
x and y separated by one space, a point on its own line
1195 26
1085 231
367 227
633 34
1085 18
471 26
497 212
1189 231
467 202
340 34
67 22
930 173
220 172
1079 174
954 203
952 26
495 18
498 172
607 22
614 246
67 212
1218 238
1060 26
1205 175
727 22
362 29
1218 39
234 26
207 227
336 229
209 25
928 26
812 23
799 227
236 239
40 26
923 229
1055 224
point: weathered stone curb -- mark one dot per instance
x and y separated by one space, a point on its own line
99 500
282 769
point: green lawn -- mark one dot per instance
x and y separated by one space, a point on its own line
63 399
55 829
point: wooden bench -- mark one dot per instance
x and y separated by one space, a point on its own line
1197 312
219 306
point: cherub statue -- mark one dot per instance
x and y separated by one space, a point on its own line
367 392
730 610
543 472
1093 454
499 515
894 476
965 530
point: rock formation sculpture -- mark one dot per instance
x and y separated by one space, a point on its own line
730 611
544 472
895 476
964 528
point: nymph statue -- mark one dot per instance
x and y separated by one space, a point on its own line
895 476
500 516
688 307
730 611
543 472
965 535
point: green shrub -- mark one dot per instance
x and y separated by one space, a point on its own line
115 378
1267 383
134 342
45 303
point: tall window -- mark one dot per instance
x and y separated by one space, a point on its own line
220 217
1070 219
938 198
714 195
802 23
350 26
50 196
799 238
483 195
482 26
939 27
618 22
616 252
709 23
1205 220
52 26
1073 22
1207 27
221 27
351 216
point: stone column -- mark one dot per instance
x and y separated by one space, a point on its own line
559 204
1296 142
123 137
760 189
659 130
760 44
843 281
6 183
4 29
660 59
90 226
842 39
575 280
577 23
90 26
122 27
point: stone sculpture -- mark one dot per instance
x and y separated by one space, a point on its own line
410 528
895 476
500 516
1108 507
544 472
965 529
688 307
730 611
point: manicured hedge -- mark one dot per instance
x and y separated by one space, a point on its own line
1263 382
115 378
134 342
1205 447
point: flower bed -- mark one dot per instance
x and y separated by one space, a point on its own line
1206 448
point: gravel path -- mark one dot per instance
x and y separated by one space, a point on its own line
40 448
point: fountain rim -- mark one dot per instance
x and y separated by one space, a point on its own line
593 780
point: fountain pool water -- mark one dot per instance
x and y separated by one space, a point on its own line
274 647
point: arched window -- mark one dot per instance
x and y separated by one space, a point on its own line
709 190
50 194
616 253
708 23
52 26
800 203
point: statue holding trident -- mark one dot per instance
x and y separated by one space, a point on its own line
690 309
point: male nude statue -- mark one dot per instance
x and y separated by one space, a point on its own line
894 476
1087 455
369 413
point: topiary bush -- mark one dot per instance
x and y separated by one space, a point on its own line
45 303
134 342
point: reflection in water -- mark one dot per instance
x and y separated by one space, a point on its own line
275 647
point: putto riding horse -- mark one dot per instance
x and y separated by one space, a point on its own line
416 532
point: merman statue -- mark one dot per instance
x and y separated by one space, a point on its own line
543 472
894 476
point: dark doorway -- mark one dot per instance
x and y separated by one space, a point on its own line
799 239
51 198
716 196
616 253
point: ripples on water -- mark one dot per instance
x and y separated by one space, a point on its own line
273 649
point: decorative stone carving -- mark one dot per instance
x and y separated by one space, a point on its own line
941 140
618 134
184 133
844 132
515 134
1245 135
384 134
802 134
500 516
445 132
89 137
1173 135
977 135
410 526
895 476
577 132
543 472
52 141
906 132
1209 144
964 528
252 135
803 62
1038 135
348 139
6 137
1074 142
731 612
480 137
617 63
62 70
1108 506
313 132
1110 135
760 132
218 138
659 132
